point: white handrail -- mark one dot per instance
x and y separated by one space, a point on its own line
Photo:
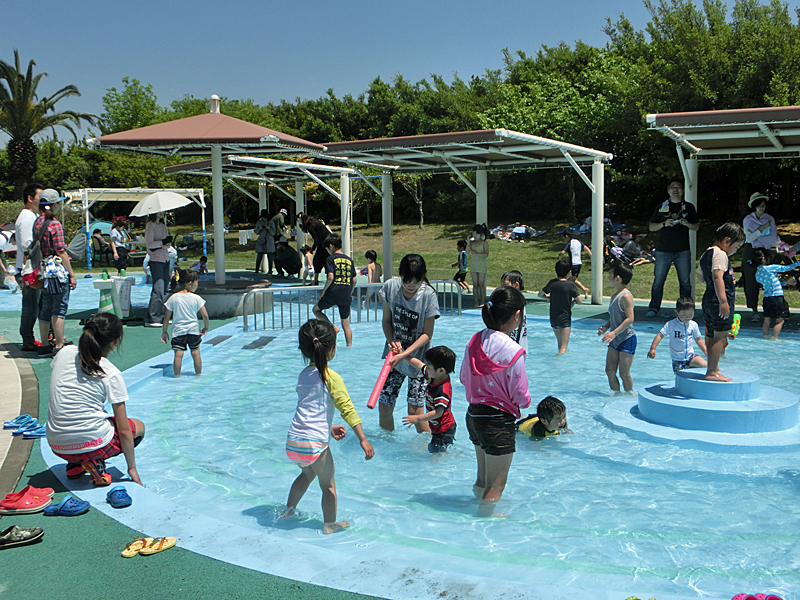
292 306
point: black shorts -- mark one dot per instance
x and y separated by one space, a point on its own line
715 323
344 309
776 307
460 276
320 256
441 441
576 270
187 339
491 429
121 262
560 320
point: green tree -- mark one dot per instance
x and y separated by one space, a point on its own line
23 115
135 106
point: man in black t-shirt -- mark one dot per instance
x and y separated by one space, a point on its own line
673 219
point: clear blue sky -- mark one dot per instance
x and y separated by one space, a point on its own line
273 50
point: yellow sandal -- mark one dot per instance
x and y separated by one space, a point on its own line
158 545
136 546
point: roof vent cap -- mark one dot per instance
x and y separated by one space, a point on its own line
214 103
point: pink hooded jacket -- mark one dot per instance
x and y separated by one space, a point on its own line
493 371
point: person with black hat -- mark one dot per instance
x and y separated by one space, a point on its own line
59 282
760 232
287 259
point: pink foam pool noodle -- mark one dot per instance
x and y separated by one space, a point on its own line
376 391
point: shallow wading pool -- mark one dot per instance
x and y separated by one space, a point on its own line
598 514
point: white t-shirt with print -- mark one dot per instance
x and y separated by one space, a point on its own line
184 307
76 419
680 336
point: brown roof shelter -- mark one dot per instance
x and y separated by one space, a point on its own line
204 135
736 134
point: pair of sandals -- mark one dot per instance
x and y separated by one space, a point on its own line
70 507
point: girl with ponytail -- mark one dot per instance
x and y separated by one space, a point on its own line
493 373
78 428
319 390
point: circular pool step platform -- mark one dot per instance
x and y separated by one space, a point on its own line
740 412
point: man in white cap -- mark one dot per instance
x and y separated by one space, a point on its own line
55 295
23 233
760 232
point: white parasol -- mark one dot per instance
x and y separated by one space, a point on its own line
159 202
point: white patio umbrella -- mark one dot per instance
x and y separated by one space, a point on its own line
159 202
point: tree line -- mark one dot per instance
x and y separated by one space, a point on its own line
688 57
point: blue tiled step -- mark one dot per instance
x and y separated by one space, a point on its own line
743 386
775 410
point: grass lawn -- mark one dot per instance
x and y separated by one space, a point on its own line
535 258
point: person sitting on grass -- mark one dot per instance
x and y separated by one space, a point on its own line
201 266
550 419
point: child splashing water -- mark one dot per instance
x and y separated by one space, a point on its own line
182 308
319 389
493 373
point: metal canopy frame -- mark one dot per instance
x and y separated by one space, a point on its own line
280 173
737 134
479 151
90 196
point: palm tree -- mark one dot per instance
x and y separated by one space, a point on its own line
22 117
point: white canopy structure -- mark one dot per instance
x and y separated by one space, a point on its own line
737 134
89 196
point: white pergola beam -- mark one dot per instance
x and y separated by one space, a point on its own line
579 171
770 134
460 175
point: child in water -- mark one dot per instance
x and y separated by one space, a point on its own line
562 294
319 390
618 331
775 306
439 363
410 308
461 262
308 263
182 308
493 373
520 334
374 274
680 332
550 419
718 299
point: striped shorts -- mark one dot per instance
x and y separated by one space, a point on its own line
304 452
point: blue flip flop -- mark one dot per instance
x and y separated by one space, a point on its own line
68 507
32 424
17 422
118 497
36 432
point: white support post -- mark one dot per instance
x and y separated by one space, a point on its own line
347 214
387 211
690 194
598 216
203 222
218 211
262 196
481 197
85 204
299 206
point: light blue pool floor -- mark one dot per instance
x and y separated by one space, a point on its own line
601 511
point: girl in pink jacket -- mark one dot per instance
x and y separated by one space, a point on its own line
493 373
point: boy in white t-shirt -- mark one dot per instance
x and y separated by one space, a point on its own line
575 247
680 332
182 308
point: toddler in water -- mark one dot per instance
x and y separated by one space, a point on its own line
680 332
520 334
439 363
461 262
374 274
182 308
550 419
562 294
308 263
319 390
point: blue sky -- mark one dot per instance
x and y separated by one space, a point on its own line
268 50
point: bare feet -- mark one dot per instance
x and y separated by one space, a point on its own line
337 329
716 376
561 353
329 528
287 512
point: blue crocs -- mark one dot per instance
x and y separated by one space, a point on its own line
17 422
118 497
68 507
